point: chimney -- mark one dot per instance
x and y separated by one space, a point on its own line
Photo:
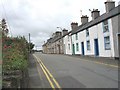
58 33
74 25
95 14
109 5
64 31
84 19
119 3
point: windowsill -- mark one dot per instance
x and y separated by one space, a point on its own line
107 48
105 31
88 50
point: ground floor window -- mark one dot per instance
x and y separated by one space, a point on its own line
69 46
107 43
77 47
88 45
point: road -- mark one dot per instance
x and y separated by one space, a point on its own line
71 72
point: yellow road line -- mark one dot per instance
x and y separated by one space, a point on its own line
51 76
38 71
47 76
50 82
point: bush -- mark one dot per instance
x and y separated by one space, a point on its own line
15 53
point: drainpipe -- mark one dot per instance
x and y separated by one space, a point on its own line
71 44
119 45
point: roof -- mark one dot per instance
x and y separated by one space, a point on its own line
105 16
62 36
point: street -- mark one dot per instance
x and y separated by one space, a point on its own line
61 71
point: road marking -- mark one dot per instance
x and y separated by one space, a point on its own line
38 70
51 76
47 74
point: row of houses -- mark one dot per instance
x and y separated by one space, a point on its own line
98 37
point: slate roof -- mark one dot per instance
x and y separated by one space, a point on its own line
105 16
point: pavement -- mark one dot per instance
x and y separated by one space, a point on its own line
73 71
36 79
104 60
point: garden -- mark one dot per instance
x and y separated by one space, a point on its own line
15 56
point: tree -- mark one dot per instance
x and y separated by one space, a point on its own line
4 28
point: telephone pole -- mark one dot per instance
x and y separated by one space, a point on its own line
29 42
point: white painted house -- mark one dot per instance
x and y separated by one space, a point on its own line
67 44
99 36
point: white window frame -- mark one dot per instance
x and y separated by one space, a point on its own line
107 43
88 45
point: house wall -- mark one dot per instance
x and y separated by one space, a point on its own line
96 32
116 30
66 47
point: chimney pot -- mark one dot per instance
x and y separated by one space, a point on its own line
84 19
109 5
95 14
74 25
64 31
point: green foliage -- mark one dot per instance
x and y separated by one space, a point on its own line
15 53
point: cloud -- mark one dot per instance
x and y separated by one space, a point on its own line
41 17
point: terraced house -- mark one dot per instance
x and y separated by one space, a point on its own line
99 37
54 45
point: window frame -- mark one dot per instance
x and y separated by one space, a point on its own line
76 36
77 46
106 43
69 46
105 25
88 45
87 32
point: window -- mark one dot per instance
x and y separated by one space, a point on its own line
77 47
88 45
107 43
87 32
69 46
105 26
68 37
76 36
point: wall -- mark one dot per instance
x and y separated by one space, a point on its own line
66 48
96 32
116 29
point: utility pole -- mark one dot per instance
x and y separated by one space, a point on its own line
29 42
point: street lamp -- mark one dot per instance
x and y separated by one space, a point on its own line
60 28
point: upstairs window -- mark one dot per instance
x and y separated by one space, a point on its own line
87 32
107 43
76 35
68 37
105 26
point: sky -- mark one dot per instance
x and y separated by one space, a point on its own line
41 18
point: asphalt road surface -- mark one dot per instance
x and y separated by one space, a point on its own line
49 71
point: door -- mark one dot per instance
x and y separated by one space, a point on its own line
73 49
59 49
96 47
82 47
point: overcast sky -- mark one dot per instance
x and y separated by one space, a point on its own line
41 17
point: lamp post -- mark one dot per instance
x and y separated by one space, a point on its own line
60 28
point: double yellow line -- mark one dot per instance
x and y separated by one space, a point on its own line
48 75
